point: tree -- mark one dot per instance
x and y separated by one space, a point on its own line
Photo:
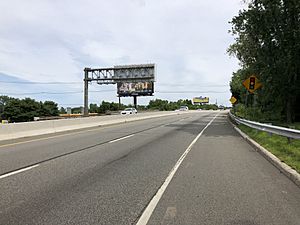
77 110
49 108
267 44
159 104
114 106
93 108
62 110
3 102
104 107
24 110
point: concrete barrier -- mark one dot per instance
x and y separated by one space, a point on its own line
28 129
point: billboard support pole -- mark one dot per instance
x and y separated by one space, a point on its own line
135 101
86 93
119 74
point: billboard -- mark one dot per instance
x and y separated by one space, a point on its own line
134 73
200 100
135 89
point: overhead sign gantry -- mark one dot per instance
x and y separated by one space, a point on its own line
131 80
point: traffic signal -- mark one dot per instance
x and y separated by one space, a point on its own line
252 83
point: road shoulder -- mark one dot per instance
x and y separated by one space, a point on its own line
223 180
292 174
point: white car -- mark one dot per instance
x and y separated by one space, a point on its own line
128 111
183 108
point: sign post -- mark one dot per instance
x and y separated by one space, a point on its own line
251 84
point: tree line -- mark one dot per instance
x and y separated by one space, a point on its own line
267 45
165 105
157 104
24 110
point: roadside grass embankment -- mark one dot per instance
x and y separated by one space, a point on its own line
291 125
288 153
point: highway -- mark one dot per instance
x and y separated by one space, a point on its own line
189 168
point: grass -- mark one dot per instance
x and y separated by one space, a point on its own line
288 153
292 125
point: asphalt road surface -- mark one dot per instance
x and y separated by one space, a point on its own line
191 168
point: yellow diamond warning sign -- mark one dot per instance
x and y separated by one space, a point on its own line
252 84
233 100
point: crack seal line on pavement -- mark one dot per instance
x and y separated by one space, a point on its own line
143 220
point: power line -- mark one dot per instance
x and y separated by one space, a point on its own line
193 92
74 82
101 91
194 84
52 93
32 82
43 92
79 104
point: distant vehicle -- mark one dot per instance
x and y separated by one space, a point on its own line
128 111
183 108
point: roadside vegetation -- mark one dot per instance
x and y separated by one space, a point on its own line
267 45
288 153
165 105
157 104
24 110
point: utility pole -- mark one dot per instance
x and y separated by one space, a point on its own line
86 93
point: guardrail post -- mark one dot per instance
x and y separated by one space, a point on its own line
270 134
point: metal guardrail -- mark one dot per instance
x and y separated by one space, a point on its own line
282 131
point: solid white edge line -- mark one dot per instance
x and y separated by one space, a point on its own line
122 138
143 220
18 171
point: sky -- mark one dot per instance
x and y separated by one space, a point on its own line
46 44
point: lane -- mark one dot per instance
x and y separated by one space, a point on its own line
21 155
109 184
225 181
91 122
154 201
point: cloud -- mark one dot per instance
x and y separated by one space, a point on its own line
53 40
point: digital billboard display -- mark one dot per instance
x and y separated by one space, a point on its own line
135 89
134 73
